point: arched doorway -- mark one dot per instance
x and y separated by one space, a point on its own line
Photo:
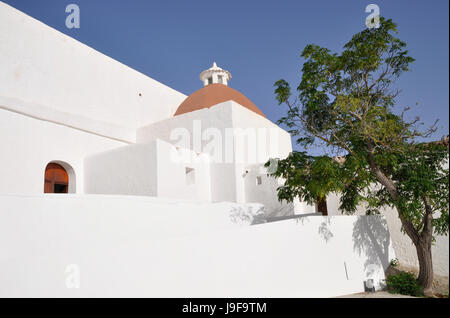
56 179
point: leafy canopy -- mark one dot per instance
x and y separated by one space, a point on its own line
345 102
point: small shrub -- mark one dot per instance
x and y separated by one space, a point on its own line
404 283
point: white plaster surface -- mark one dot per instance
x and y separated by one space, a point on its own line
148 169
404 248
126 246
80 122
229 178
28 145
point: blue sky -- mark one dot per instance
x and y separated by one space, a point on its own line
258 41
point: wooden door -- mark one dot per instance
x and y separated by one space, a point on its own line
56 179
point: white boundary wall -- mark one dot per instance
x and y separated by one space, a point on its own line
126 246
403 246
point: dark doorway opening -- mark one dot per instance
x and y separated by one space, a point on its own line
322 206
56 179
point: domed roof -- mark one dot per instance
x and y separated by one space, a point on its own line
213 94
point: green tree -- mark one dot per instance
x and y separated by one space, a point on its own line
345 103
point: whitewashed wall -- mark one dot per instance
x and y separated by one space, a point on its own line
217 118
173 179
404 248
125 246
28 145
248 151
154 168
277 146
229 181
74 78
127 170
265 192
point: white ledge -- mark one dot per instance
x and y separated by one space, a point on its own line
74 121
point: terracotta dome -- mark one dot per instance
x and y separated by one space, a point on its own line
213 94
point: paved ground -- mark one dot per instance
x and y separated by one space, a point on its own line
379 294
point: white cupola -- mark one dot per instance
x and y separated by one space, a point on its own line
215 75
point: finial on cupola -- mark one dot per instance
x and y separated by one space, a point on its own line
215 75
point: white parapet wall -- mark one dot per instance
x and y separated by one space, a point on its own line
130 246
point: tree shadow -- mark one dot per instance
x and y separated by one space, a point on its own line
325 231
248 214
371 237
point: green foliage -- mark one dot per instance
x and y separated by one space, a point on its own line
404 283
345 102
420 173
318 174
345 97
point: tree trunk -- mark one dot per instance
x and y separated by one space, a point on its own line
425 278
423 248
421 241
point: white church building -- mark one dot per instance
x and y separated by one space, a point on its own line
95 126
124 183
